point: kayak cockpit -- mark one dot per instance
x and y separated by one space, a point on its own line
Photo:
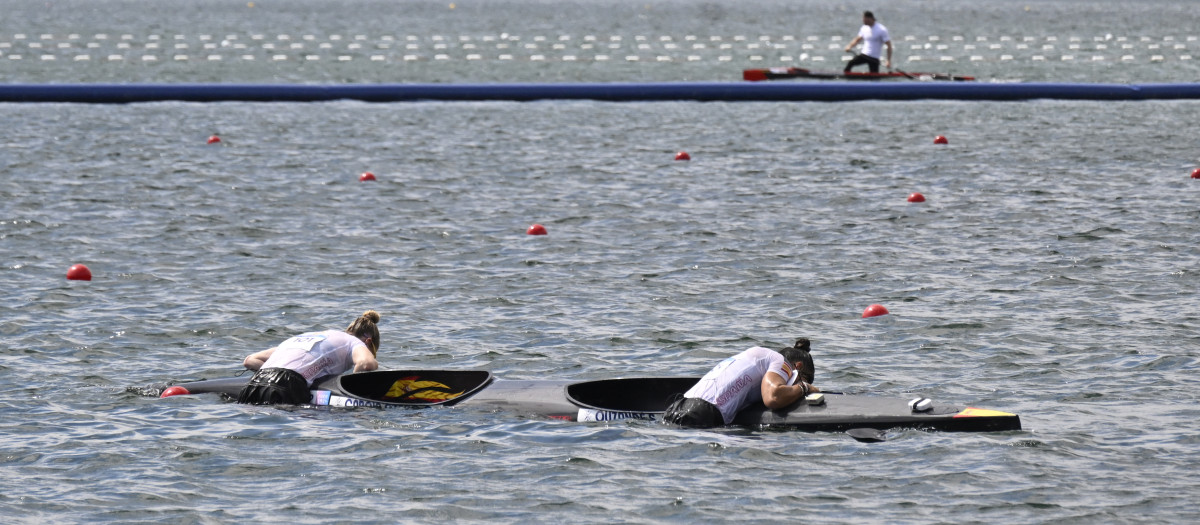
417 388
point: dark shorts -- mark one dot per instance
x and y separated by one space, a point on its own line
871 62
693 412
275 386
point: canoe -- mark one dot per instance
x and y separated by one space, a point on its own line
643 398
781 73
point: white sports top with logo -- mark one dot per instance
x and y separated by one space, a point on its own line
316 354
736 383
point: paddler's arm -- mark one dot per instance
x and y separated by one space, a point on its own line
777 394
363 360
889 61
255 361
853 43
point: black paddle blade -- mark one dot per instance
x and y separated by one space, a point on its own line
867 435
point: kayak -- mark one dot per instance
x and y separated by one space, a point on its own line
779 73
642 398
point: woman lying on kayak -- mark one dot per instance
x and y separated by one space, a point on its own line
285 373
757 375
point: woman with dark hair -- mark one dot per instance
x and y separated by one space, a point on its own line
283 374
757 375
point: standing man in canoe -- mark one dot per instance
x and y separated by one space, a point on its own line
283 374
873 37
757 375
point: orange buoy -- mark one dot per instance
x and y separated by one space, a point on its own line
940 139
366 176
214 139
174 391
1196 173
874 310
683 155
916 197
536 229
79 272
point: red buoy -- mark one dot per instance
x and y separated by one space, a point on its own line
916 197
536 229
79 272
214 139
1196 173
940 139
874 311
683 155
366 176
174 391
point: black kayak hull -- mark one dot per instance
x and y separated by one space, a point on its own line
781 73
617 399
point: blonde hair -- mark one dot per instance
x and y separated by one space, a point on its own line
364 326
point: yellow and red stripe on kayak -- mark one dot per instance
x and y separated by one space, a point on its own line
405 385
982 412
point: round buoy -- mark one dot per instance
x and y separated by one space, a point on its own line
79 272
940 139
366 176
174 391
916 197
1196 173
536 229
874 311
214 139
683 155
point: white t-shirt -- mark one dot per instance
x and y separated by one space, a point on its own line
316 354
736 383
873 39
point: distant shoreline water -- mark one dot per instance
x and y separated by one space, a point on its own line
1049 272
625 41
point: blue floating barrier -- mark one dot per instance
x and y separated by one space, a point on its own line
614 92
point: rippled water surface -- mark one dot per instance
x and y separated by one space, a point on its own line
1051 273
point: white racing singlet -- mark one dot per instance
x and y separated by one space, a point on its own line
316 354
873 38
736 383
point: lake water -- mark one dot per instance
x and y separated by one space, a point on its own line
1050 273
